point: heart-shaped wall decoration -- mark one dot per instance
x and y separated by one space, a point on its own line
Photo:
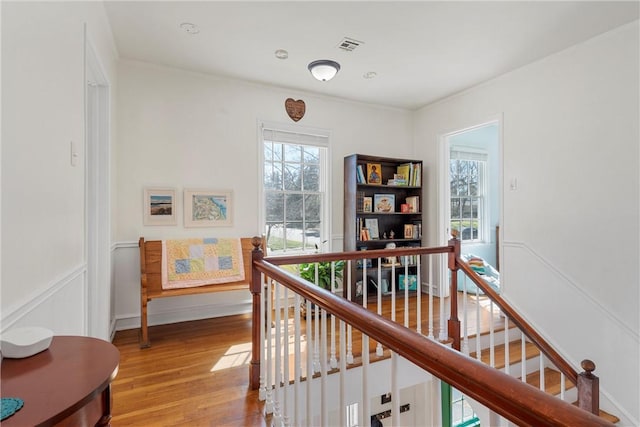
295 108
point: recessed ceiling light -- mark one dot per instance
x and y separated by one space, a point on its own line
369 74
281 54
190 28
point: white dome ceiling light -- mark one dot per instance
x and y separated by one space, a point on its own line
324 69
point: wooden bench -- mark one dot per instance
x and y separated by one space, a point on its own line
151 278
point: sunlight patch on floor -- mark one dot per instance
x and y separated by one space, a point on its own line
237 355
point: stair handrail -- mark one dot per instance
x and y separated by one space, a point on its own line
586 382
515 400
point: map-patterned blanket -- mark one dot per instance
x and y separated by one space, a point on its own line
196 262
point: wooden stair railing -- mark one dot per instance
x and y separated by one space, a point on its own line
505 395
586 382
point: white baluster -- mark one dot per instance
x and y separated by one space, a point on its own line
562 385
492 345
393 292
441 299
324 411
277 415
365 381
478 336
343 371
507 359
285 368
349 356
379 349
333 361
431 267
523 357
309 398
406 291
395 389
542 385
465 336
316 335
262 391
297 367
269 398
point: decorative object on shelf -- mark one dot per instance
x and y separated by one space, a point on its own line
384 203
207 208
410 281
390 260
372 225
324 69
295 108
392 235
408 231
404 208
374 173
159 206
367 204
24 342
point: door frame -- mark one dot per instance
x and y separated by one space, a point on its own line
444 192
97 178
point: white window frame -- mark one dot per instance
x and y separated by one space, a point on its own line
299 135
459 152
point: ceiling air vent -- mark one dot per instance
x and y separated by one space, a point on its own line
349 45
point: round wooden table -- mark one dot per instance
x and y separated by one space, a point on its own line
67 384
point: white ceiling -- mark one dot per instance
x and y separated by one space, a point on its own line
422 51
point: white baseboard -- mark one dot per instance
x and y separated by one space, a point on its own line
182 315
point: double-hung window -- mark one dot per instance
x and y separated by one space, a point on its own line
294 209
468 178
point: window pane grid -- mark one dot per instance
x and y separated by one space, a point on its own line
467 198
293 200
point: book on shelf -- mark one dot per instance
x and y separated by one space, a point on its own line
417 175
405 169
359 201
372 225
414 203
360 175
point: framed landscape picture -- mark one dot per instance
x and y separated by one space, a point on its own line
207 208
159 206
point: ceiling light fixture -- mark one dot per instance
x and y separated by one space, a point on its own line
324 69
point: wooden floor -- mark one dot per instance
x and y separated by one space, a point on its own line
196 373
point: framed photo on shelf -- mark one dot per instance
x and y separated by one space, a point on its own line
408 231
372 226
207 208
159 206
384 203
374 173
367 204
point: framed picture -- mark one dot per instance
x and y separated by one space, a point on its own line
207 208
367 203
408 231
374 173
384 203
409 280
159 206
372 226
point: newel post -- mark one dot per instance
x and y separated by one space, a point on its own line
588 388
256 321
453 325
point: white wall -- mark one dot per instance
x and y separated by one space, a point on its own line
187 130
43 254
571 229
